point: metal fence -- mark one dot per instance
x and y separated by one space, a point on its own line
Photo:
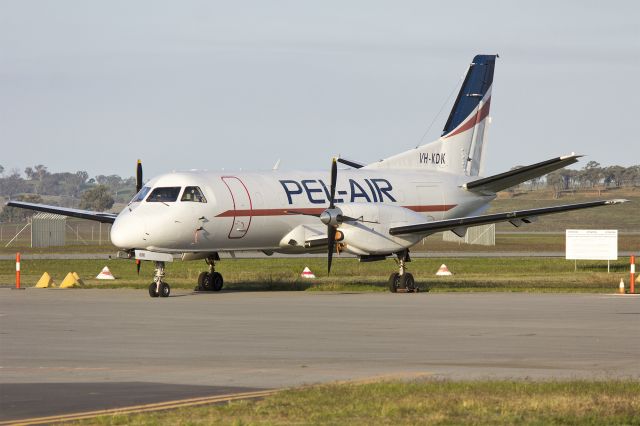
76 232
484 235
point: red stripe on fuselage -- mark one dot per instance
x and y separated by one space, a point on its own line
318 210
473 120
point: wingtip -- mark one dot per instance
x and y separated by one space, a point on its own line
618 201
572 155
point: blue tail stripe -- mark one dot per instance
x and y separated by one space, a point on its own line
476 83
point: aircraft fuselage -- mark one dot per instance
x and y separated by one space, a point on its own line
255 211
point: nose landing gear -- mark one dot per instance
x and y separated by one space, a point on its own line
159 288
402 280
211 280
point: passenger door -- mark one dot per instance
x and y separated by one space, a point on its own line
242 206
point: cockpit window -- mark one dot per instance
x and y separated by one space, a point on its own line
193 194
167 194
141 194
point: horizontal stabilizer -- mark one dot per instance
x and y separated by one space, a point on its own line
81 214
516 217
493 184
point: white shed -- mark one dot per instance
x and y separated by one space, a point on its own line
48 229
484 235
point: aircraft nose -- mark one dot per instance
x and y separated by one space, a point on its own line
127 232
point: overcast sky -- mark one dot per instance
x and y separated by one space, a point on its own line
88 85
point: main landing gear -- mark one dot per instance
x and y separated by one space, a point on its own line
159 288
402 280
212 280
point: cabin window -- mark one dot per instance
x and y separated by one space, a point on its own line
141 194
193 194
167 194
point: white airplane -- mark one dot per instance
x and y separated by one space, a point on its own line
372 211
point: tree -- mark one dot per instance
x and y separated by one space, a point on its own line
37 173
631 175
613 175
97 198
592 173
1 170
13 184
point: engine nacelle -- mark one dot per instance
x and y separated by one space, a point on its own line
370 235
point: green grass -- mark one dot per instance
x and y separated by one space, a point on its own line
470 274
622 217
517 243
429 402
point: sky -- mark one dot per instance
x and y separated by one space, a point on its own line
238 85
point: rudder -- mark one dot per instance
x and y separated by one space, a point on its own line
460 147
466 126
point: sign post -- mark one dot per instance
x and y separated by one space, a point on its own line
591 244
632 278
17 271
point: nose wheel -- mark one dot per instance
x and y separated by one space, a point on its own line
211 280
159 288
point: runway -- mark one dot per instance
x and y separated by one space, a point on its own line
100 348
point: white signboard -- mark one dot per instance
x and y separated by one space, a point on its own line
591 244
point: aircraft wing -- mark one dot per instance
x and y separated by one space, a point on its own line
517 218
103 217
495 183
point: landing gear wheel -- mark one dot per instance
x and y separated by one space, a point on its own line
407 282
218 282
205 283
153 290
165 290
394 282
201 279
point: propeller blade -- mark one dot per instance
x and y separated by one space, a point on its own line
331 231
344 218
302 213
331 235
334 177
139 176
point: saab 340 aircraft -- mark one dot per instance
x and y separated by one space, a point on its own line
372 211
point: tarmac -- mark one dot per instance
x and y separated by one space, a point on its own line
65 351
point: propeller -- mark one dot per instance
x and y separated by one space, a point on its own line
138 188
326 216
332 216
139 176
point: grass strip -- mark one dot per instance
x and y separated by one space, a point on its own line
470 274
427 402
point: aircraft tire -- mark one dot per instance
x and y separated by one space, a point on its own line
207 282
201 280
165 290
152 290
407 281
394 282
217 281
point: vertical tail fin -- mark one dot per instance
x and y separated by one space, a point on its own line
467 122
459 149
